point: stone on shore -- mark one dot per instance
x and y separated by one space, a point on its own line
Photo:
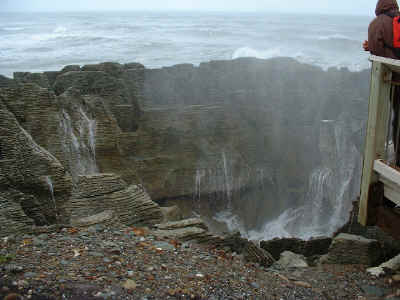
171 213
350 249
312 247
291 260
392 264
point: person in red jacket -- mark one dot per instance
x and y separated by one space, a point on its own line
380 31
380 40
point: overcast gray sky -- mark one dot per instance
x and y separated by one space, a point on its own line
357 7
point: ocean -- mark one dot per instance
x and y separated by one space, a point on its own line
38 42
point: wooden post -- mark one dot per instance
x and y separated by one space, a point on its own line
378 114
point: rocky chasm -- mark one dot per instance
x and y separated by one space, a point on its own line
261 145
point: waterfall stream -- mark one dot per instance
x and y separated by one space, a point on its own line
51 190
332 186
200 173
79 142
329 194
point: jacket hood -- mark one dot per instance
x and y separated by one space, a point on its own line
386 6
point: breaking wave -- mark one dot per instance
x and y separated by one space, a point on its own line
334 37
354 65
13 28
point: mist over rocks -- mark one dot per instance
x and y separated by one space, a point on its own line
243 135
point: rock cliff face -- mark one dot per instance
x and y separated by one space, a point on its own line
242 135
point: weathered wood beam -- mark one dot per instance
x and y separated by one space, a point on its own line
392 64
387 172
378 114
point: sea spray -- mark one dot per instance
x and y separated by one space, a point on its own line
329 195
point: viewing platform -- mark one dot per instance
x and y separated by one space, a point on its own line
380 184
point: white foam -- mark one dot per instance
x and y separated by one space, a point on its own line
336 36
302 57
308 220
250 52
232 222
13 28
60 29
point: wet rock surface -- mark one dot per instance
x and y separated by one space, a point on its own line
353 249
291 260
183 132
312 247
121 262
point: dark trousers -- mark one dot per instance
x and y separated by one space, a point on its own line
395 123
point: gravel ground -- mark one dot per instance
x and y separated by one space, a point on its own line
129 263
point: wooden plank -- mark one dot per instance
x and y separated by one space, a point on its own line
392 192
378 114
387 172
390 178
392 64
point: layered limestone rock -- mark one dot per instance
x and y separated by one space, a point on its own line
12 217
6 82
44 139
94 194
195 230
240 131
312 247
33 183
218 135
352 249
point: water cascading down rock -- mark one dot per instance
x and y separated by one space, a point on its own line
243 140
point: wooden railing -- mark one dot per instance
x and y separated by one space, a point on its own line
377 172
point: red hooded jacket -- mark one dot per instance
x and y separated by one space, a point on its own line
380 31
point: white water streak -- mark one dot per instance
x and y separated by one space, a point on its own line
200 173
79 145
329 195
227 181
51 190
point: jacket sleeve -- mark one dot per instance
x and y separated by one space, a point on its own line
376 40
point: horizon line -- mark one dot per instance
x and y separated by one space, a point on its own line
191 11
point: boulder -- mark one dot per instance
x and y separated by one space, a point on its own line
94 194
250 251
185 230
182 234
171 213
347 249
393 265
106 217
390 246
193 222
291 260
312 247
